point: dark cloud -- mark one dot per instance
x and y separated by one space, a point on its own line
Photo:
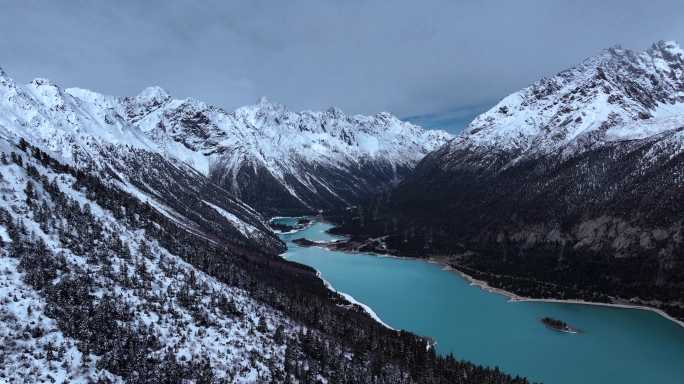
407 57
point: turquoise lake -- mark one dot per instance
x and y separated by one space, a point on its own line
616 345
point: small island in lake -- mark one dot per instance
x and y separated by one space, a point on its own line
558 325
304 242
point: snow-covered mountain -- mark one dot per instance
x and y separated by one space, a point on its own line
318 159
276 160
617 95
92 137
89 293
571 187
281 161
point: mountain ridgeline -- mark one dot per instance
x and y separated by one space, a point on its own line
569 188
277 161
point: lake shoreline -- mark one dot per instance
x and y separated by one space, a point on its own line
515 298
512 297
429 297
364 307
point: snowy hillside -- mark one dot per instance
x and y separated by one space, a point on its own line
73 274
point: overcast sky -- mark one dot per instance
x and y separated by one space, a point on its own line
407 57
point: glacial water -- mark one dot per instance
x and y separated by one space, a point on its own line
616 345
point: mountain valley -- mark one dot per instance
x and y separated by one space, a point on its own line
137 246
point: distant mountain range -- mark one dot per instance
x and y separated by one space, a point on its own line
571 187
276 160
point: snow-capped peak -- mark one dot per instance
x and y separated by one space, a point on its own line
146 102
40 81
585 104
48 92
152 95
265 104
335 112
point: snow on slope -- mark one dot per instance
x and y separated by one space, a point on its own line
149 283
618 95
246 229
95 132
41 112
25 327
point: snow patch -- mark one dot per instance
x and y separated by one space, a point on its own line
246 229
